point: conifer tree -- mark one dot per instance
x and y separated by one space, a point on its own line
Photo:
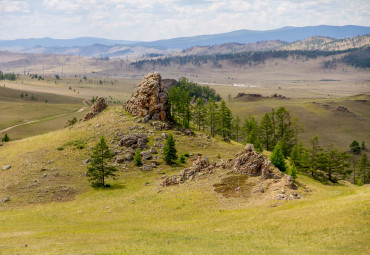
334 163
266 132
99 168
277 158
225 118
236 128
169 150
355 147
212 116
137 158
364 169
5 138
199 113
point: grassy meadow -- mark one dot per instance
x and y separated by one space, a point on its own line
60 213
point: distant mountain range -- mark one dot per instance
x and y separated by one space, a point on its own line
100 47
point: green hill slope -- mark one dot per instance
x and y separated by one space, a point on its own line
54 210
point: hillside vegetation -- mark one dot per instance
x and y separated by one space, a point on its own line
136 215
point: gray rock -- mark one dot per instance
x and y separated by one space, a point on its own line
86 161
1 144
146 119
146 155
128 140
44 175
281 197
158 139
146 168
153 150
129 156
120 159
6 199
188 132
50 161
158 145
6 167
249 147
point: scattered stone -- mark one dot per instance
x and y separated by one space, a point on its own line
158 139
146 119
281 197
6 167
97 107
226 139
149 99
25 245
138 140
6 199
50 161
44 175
79 212
153 150
43 169
119 159
188 132
145 155
159 145
146 167
129 156
1 144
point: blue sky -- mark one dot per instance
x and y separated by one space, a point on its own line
148 20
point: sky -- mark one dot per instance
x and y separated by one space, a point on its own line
148 20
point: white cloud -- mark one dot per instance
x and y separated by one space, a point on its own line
157 19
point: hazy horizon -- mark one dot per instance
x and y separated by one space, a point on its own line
140 20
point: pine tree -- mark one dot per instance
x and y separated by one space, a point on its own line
363 146
253 139
236 128
137 158
293 171
277 158
5 138
199 113
212 116
225 118
355 147
266 132
334 163
364 169
99 168
169 150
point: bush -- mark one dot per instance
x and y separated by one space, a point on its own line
5 138
293 171
182 158
186 154
137 158
359 183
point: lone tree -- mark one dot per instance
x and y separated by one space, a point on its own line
277 158
169 150
355 147
99 168
137 158
5 138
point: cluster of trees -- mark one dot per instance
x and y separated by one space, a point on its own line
356 148
246 57
359 58
195 91
7 76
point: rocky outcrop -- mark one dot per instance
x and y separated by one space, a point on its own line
134 141
252 163
150 99
97 107
248 162
200 165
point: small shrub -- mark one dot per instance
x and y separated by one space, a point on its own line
60 148
5 138
359 183
182 158
186 154
137 158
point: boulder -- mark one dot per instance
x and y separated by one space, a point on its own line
146 168
6 167
6 199
120 159
97 107
149 99
129 156
145 155
153 150
164 135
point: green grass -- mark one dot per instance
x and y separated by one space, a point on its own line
133 217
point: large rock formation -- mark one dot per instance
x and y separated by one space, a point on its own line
97 107
149 99
248 162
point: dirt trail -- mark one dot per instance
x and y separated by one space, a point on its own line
33 121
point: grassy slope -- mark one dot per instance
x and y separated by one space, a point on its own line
17 110
134 218
331 126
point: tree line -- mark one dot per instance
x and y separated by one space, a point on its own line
277 131
7 76
247 57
